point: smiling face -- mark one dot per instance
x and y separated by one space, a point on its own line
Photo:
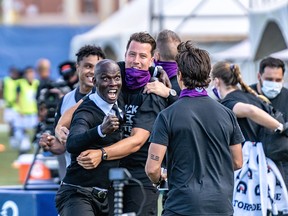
138 55
108 81
85 69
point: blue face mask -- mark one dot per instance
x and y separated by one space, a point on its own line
216 93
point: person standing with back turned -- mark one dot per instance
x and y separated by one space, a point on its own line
165 53
203 143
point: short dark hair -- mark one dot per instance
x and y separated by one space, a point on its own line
142 37
89 50
194 64
28 68
271 62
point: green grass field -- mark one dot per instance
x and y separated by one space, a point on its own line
8 175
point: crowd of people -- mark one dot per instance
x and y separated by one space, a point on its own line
19 89
27 95
153 112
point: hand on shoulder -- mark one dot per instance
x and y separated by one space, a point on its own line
157 88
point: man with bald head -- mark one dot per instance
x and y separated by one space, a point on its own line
43 69
94 125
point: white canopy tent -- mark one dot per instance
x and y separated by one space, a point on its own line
242 55
268 36
242 51
202 19
265 27
113 32
268 28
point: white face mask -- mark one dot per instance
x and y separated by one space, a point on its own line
271 89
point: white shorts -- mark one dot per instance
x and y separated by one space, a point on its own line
26 121
10 115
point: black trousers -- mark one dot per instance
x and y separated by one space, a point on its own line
73 201
170 213
133 198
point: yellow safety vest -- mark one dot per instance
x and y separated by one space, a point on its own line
27 96
10 92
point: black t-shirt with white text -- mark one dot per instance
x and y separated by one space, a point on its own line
141 111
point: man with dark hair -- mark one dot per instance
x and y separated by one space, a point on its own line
141 111
87 58
202 154
270 84
94 126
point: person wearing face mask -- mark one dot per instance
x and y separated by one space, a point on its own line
251 113
270 83
246 103
270 80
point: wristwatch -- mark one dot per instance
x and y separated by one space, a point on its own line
172 96
104 154
172 93
279 129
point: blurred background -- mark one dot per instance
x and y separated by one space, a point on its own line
242 31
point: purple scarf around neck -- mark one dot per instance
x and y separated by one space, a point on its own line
136 78
170 67
197 92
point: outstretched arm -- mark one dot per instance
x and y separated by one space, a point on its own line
63 125
243 110
50 143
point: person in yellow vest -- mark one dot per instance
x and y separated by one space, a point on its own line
26 97
9 91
